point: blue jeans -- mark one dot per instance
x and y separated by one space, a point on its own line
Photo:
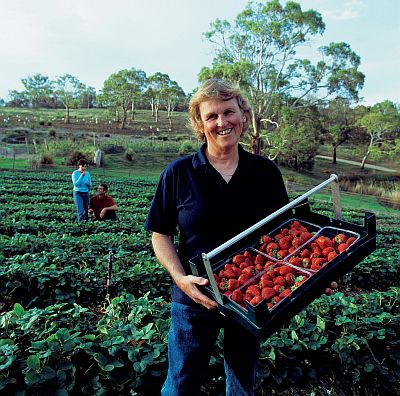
81 200
191 339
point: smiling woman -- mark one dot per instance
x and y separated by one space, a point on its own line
204 195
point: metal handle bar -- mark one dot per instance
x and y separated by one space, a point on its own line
272 216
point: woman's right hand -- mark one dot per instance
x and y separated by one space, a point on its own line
189 285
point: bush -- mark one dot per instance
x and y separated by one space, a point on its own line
46 159
130 156
52 132
186 148
74 157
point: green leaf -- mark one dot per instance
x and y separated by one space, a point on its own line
19 310
33 362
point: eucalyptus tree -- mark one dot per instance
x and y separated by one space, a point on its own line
157 85
39 89
338 121
174 95
120 90
259 52
68 90
18 99
87 97
382 125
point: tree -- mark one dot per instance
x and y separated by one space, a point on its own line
158 83
121 88
18 99
382 124
68 91
87 97
258 51
338 121
39 89
174 94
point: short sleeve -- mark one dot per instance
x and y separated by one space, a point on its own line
162 215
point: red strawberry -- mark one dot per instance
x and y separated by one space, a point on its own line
327 250
297 242
253 290
290 279
340 238
282 254
305 235
284 244
279 280
223 285
259 259
306 262
331 256
272 247
250 270
350 241
323 242
237 296
285 293
239 258
266 239
267 293
256 300
233 284
278 289
297 261
305 253
229 274
244 278
285 269
342 247
266 283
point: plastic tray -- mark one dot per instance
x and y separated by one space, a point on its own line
262 320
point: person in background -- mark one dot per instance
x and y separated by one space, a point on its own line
82 182
210 196
102 205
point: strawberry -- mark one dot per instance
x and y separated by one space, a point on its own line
244 278
223 285
256 300
239 258
277 237
272 247
315 267
247 254
276 299
306 262
297 242
291 249
250 270
342 247
318 261
266 283
237 296
284 244
295 224
282 254
327 250
259 267
350 241
285 293
233 284
272 273
295 261
268 264
300 280
284 231
305 253
253 290
247 297
259 259
285 269
331 256
229 274
266 239
228 266
237 271
279 289
305 235
279 280
323 242
340 238
267 293
290 279
217 278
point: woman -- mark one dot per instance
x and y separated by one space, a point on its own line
82 183
210 196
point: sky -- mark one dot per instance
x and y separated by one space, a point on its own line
91 39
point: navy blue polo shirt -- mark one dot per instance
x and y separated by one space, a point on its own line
192 196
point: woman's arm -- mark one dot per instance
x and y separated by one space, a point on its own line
166 253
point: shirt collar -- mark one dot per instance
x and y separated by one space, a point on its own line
200 160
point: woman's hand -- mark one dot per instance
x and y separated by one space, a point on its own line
189 285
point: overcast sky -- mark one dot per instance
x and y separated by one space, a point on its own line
92 39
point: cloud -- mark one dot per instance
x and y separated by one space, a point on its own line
352 9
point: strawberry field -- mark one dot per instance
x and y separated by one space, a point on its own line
64 331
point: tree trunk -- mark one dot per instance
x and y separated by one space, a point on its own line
123 122
255 140
334 160
364 160
66 120
133 111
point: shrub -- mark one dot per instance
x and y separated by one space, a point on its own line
52 132
186 148
74 157
46 159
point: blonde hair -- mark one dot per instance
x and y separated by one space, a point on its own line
218 89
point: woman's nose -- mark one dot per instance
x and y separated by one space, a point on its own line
221 120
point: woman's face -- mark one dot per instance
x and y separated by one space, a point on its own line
222 123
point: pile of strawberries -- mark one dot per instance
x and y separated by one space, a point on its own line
260 274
